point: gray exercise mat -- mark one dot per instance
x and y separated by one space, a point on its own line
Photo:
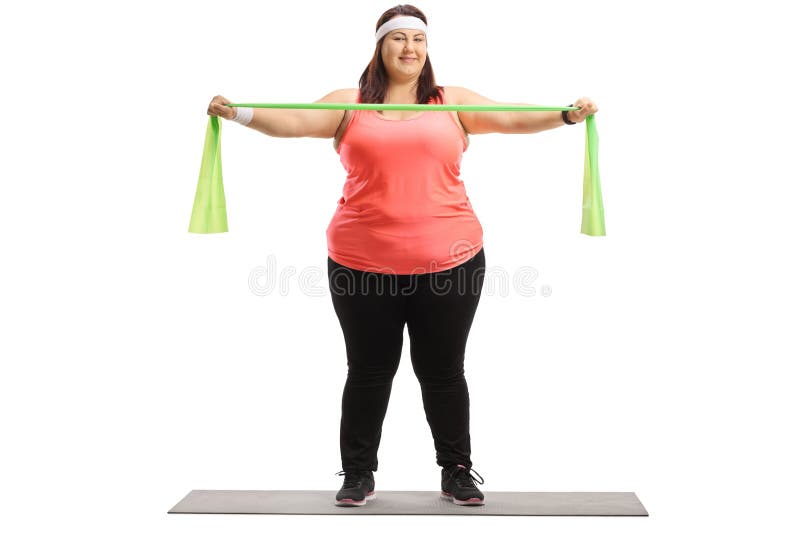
315 502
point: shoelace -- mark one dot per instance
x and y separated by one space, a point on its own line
351 478
462 474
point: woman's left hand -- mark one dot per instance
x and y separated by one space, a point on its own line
587 108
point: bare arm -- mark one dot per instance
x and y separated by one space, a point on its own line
321 123
503 121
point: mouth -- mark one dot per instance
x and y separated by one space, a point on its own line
408 59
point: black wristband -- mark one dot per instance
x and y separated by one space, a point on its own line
564 116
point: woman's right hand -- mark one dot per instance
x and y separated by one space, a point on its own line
217 108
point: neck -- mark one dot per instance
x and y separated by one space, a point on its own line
401 93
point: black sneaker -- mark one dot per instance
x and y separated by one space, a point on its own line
459 487
358 488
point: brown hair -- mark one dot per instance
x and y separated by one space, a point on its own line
374 81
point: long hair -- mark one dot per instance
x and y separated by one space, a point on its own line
374 81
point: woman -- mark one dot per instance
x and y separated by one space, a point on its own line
404 244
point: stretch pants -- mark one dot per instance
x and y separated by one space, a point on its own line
373 309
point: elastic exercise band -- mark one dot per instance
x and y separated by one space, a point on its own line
407 107
209 214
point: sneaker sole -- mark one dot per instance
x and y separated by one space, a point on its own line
472 501
351 502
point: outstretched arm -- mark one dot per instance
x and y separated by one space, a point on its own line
291 122
321 123
513 121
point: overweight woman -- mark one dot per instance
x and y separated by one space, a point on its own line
404 244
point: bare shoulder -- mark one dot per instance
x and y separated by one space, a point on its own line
462 95
452 94
348 95
475 122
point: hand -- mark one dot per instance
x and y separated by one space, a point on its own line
587 108
217 108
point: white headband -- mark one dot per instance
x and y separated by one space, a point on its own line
411 23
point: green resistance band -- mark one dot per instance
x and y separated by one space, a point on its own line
209 213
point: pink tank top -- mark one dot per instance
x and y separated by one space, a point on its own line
403 208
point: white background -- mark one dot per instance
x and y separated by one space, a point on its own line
138 363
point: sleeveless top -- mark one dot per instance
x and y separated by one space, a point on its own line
403 208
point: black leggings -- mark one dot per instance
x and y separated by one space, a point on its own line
373 309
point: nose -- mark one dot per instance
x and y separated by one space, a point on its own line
411 45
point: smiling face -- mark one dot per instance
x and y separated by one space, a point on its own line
404 53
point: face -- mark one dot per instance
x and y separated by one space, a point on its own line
404 53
